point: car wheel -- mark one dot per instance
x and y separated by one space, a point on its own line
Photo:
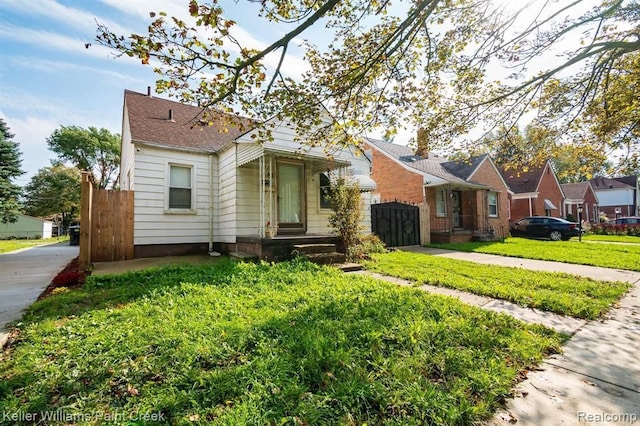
555 235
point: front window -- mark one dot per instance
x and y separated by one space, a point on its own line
325 191
441 205
492 198
180 187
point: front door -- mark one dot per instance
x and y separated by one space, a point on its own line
456 208
291 206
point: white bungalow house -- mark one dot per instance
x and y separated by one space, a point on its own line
200 188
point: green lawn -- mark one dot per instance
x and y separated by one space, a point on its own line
561 293
620 256
11 245
258 344
612 238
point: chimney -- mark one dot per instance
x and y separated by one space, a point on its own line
149 91
171 116
422 143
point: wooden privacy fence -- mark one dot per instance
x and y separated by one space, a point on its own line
106 224
396 224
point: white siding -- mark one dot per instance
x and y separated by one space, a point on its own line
248 201
153 223
615 197
225 211
127 154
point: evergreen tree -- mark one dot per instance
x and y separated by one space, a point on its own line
10 163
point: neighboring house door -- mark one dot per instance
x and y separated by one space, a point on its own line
456 208
291 185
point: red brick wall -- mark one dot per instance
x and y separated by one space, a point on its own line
488 175
520 209
394 181
548 189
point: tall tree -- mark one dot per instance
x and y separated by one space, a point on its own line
513 149
94 150
430 62
54 192
10 168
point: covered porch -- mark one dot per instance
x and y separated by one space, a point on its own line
460 213
281 202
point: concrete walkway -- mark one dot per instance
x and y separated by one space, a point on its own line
23 276
596 380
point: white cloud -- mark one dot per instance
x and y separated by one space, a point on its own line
39 38
141 8
69 16
57 66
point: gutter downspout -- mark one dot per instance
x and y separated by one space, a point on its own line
211 252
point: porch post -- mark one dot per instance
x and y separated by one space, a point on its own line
261 176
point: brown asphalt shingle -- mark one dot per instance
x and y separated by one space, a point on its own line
522 182
575 191
149 122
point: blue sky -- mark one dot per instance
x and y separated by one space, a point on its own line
48 78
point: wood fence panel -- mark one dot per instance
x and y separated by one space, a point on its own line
112 231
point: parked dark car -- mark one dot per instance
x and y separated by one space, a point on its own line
545 227
626 220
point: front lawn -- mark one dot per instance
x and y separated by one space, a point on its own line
620 256
612 238
11 245
292 343
561 293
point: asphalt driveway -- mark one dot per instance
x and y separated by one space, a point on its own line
23 276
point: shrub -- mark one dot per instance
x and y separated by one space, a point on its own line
368 245
67 278
345 219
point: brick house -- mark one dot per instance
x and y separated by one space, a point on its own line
581 194
617 196
535 192
468 199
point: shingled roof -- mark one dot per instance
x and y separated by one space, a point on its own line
629 180
432 165
149 122
575 191
523 182
602 183
464 168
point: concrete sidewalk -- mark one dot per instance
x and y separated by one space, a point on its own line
24 275
596 380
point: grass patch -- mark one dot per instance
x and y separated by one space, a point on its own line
619 256
612 238
561 293
11 245
292 343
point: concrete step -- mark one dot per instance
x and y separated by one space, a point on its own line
243 256
348 267
303 249
326 258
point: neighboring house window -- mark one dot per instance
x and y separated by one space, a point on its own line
325 191
441 205
493 204
180 187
